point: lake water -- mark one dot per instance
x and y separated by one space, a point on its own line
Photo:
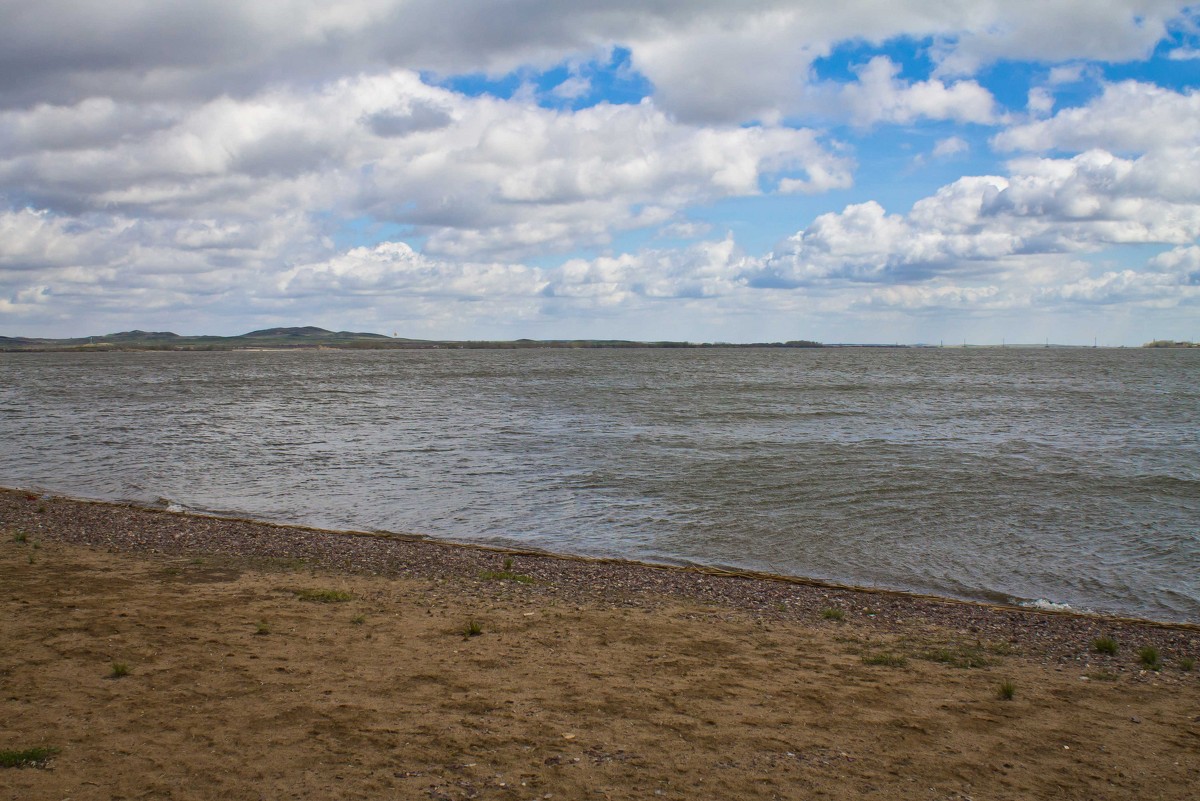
1062 476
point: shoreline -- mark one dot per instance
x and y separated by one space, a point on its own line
1033 607
92 522
156 654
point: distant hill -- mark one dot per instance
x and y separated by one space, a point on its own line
310 336
309 332
140 336
305 331
307 337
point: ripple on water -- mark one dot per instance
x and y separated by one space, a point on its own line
1070 477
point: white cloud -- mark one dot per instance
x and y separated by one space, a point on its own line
1183 262
1066 74
1041 101
1127 116
1013 239
878 96
572 88
475 175
219 157
708 60
1101 30
950 146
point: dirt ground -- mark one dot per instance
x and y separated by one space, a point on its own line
239 685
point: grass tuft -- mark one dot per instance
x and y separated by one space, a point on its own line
1187 664
20 536
887 660
1104 645
473 628
833 614
119 670
1006 691
358 620
506 575
29 758
323 596
1149 657
962 656
261 628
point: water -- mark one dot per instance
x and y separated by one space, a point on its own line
1066 476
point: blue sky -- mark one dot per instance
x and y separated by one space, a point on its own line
761 170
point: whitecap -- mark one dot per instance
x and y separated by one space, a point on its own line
1048 606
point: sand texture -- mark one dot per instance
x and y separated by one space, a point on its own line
248 679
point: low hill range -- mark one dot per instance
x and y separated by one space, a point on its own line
312 337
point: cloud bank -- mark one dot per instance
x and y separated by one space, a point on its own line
549 169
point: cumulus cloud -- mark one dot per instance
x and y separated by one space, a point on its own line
474 175
1041 101
880 96
1129 116
950 146
64 52
1106 30
1006 239
220 155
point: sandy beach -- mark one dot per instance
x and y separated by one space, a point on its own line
160 655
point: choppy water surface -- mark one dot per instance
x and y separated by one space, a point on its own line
1071 476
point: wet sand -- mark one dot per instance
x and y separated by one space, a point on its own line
587 679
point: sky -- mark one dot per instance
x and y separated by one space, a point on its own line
762 170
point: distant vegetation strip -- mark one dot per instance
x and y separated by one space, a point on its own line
313 337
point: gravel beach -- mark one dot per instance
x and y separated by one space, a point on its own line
588 678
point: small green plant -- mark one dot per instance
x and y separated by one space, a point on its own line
508 563
961 657
358 620
20 536
119 670
29 758
1104 645
833 614
261 628
1187 664
1007 690
506 575
998 648
42 509
473 628
323 596
886 660
1149 657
